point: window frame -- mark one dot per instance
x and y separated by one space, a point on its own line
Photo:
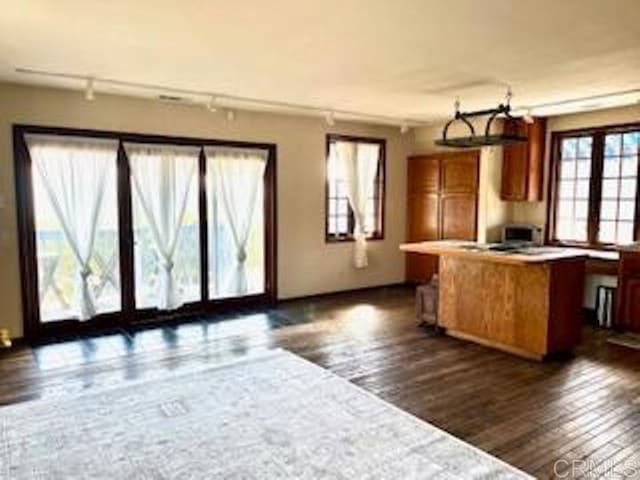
598 135
129 314
380 193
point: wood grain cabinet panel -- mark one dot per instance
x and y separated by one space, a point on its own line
631 313
458 216
424 174
460 173
424 225
441 204
523 163
628 311
530 310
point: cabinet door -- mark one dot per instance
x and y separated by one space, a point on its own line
424 174
458 213
515 163
422 225
420 268
423 217
522 166
460 173
631 305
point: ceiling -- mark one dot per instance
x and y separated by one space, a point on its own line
407 59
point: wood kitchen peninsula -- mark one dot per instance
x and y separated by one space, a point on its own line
528 303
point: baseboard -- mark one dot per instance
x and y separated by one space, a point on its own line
590 315
16 343
343 292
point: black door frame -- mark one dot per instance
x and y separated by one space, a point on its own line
35 330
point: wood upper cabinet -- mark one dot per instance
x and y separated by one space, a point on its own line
523 163
628 312
459 173
442 202
424 175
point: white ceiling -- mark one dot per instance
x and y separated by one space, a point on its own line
402 58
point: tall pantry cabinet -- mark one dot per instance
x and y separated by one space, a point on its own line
442 204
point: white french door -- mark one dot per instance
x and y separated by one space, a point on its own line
166 226
235 188
76 226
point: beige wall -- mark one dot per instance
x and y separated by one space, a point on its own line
306 264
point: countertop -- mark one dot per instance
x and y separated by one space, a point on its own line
532 255
633 247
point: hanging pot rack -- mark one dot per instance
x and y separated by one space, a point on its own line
474 140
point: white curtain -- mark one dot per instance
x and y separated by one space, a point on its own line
358 165
161 185
234 179
74 173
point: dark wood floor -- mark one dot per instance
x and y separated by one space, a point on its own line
528 414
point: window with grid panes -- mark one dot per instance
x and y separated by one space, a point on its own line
340 221
619 188
596 198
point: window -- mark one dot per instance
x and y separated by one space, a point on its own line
76 226
595 199
368 160
118 227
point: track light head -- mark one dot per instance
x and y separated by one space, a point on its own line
404 128
211 104
527 117
89 92
231 114
330 119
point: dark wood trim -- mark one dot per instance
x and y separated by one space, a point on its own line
125 226
381 181
595 194
26 228
595 189
637 219
271 226
610 128
318 296
204 227
139 137
36 330
552 190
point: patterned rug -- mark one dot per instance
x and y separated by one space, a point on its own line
268 417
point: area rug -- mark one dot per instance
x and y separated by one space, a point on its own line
273 416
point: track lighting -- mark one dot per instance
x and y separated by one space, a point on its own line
211 104
330 119
527 117
89 93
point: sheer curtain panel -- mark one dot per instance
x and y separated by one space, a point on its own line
235 178
164 187
73 174
358 165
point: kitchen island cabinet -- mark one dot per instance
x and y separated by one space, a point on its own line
527 304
